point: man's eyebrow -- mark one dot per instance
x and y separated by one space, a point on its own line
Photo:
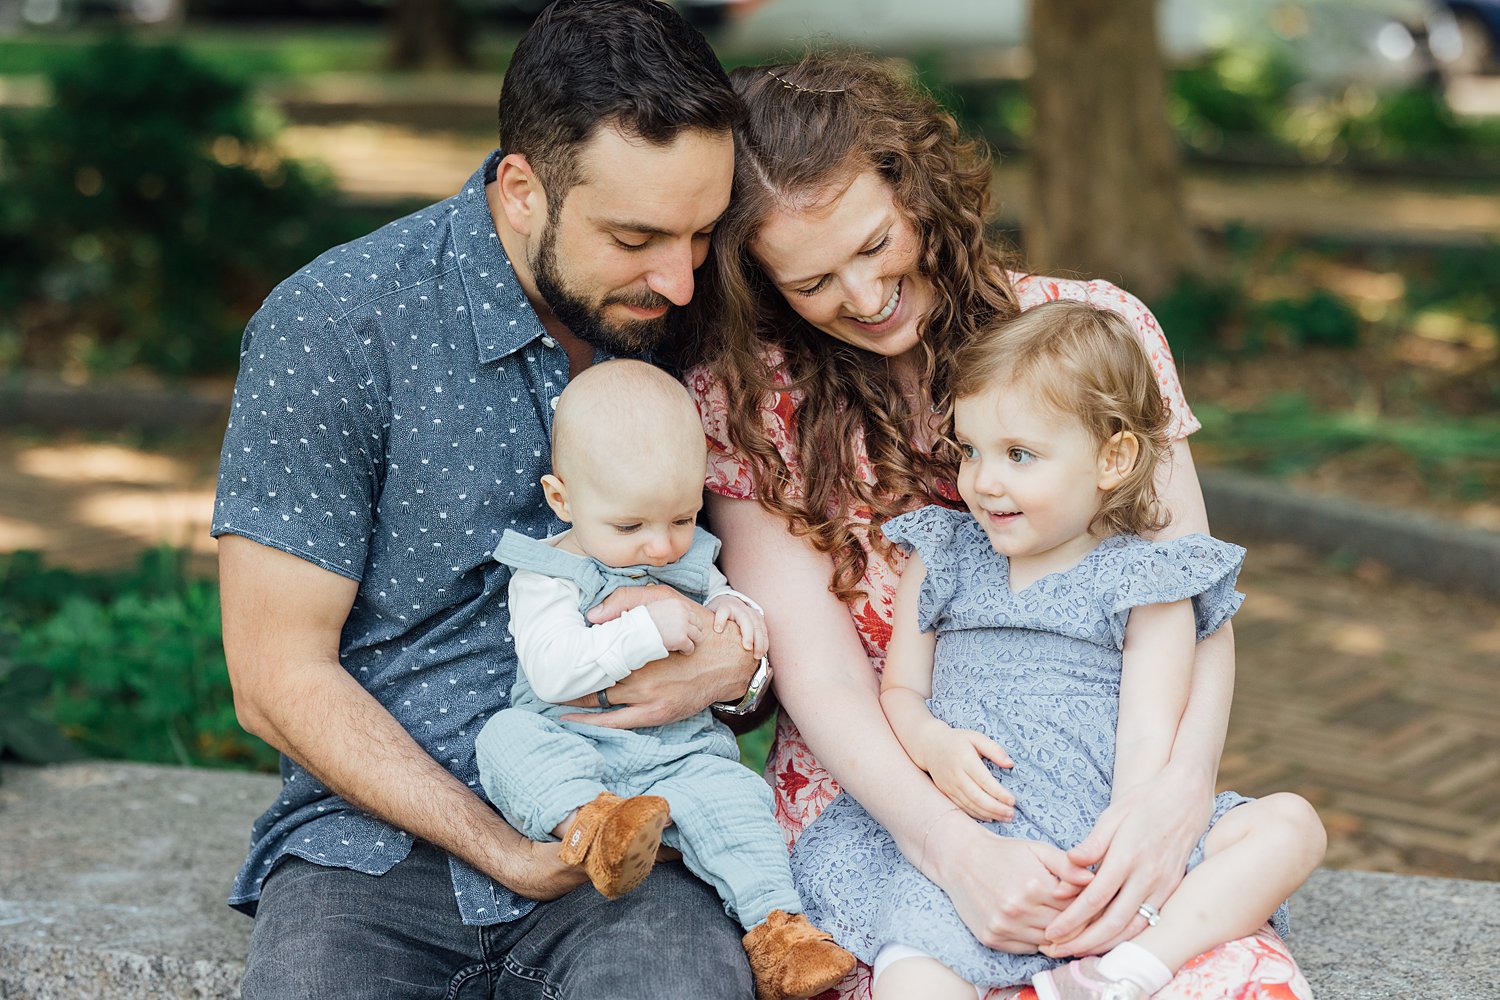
648 229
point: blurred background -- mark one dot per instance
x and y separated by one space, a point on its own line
1307 193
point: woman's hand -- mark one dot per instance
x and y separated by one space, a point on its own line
1139 849
1005 889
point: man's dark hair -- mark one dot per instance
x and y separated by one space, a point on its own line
634 65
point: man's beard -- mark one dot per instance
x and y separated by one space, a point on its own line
587 322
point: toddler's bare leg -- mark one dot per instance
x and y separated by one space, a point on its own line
1255 857
922 977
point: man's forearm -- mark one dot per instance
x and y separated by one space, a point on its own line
325 721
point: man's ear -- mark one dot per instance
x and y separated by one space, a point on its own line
555 492
1117 459
520 193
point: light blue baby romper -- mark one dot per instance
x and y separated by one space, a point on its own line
1038 672
537 769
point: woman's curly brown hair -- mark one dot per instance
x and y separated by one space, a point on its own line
812 127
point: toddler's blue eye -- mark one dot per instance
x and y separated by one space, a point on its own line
1021 456
967 451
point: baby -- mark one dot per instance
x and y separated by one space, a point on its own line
628 462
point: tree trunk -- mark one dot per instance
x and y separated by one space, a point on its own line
428 34
1106 184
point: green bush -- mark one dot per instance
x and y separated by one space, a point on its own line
134 660
26 734
1196 313
1318 319
145 214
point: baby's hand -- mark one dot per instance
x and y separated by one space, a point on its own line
955 760
676 622
752 623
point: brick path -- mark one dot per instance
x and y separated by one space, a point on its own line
1376 698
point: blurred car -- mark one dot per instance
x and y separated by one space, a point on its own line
1383 43
1474 46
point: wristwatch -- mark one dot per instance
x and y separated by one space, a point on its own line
760 683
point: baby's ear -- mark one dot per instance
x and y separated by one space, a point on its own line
1117 458
555 492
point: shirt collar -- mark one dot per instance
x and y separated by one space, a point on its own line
498 309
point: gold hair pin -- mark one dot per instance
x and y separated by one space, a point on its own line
800 89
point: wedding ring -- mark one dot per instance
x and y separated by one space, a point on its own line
603 701
1151 913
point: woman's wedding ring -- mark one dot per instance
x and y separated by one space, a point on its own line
1151 913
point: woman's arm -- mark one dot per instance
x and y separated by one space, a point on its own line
1141 843
1157 669
1006 891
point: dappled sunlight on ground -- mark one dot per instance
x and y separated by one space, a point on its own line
93 505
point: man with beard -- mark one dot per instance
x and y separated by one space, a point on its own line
390 422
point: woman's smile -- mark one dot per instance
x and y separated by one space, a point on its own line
847 264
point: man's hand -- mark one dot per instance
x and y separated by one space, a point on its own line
955 760
1139 848
751 623
718 669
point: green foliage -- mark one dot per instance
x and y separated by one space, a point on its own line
146 214
1318 319
133 662
1288 435
26 734
1412 122
1463 280
1196 313
756 744
1232 94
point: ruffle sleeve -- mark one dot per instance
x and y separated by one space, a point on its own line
933 533
1194 566
1034 289
729 471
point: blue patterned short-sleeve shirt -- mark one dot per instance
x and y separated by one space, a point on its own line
390 420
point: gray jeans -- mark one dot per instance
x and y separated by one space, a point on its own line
334 933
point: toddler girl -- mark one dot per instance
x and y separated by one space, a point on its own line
1039 641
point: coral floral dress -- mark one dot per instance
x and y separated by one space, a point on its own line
1253 968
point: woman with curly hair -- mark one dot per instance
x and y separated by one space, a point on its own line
852 265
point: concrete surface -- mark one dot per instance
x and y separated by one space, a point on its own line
1372 936
113 876
113 879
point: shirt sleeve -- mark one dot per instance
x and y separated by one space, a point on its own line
303 452
563 656
1034 289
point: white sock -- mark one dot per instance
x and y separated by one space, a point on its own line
1131 961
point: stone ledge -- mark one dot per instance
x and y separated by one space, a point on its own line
1414 544
113 878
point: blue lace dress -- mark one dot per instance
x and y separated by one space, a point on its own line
1039 672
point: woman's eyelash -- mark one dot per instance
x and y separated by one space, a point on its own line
872 251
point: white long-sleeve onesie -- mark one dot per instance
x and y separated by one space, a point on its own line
563 656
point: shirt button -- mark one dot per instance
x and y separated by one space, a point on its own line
548 342
553 402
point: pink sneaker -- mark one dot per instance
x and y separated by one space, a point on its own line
1080 981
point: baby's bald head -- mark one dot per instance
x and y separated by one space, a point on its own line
626 415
